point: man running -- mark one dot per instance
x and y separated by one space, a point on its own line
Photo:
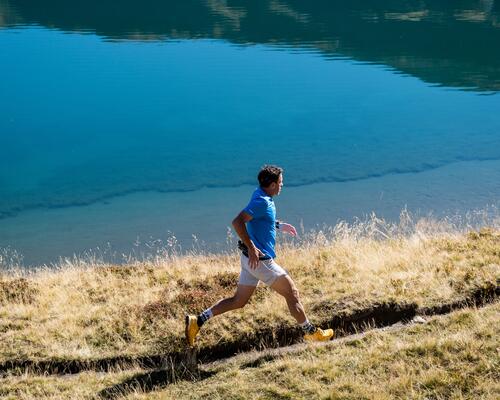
256 226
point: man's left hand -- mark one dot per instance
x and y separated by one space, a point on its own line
288 228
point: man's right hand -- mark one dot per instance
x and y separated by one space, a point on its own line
239 226
253 256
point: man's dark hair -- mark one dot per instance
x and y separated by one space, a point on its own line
269 174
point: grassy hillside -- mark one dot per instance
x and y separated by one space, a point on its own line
90 316
83 311
451 357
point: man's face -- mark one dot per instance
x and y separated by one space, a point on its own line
276 186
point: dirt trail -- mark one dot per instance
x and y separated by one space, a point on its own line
376 316
192 370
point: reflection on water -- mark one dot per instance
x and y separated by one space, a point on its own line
100 99
90 117
449 43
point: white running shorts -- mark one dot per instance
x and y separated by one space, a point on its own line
267 271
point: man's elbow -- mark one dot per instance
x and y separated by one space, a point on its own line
238 221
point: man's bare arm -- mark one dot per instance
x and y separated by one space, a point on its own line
239 225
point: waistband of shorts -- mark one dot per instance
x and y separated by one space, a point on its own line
244 250
261 258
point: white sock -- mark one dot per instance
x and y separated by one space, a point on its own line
205 316
307 326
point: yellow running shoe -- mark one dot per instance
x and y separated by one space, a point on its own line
319 335
192 328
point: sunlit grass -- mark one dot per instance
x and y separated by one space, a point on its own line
450 357
86 309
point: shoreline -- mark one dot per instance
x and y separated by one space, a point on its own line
136 311
117 226
15 212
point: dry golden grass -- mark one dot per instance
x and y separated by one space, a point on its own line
86 311
451 357
81 386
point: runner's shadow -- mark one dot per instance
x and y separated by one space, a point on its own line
153 380
173 371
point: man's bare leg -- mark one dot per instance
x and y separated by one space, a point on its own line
239 300
285 286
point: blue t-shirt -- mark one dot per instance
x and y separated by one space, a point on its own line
262 227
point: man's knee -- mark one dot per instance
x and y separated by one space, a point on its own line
293 295
285 286
292 289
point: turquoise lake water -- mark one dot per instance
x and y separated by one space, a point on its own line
143 120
